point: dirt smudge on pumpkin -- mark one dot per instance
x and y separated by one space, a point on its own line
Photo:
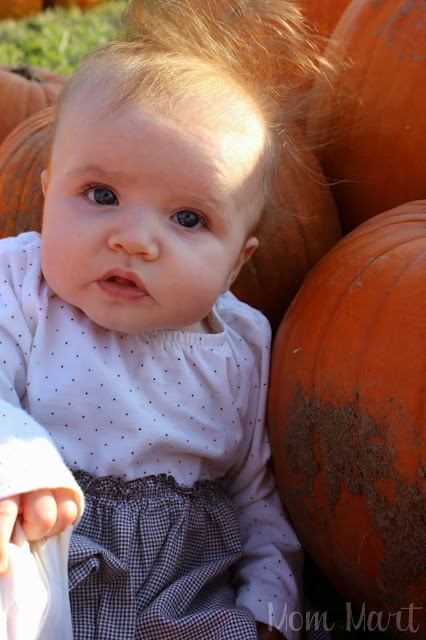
357 456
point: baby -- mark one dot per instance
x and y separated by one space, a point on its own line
132 382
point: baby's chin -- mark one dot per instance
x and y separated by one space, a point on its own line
131 318
126 327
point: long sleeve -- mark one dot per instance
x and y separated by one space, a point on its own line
268 578
28 458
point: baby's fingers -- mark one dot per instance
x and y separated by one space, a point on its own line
48 512
8 514
43 513
66 510
39 513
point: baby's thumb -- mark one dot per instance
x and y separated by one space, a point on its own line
8 515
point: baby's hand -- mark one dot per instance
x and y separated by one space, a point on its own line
43 513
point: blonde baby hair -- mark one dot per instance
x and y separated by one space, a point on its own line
181 56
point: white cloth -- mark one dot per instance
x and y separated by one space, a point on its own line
34 601
130 405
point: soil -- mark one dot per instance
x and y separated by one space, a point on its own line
356 455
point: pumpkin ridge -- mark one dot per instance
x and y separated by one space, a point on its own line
325 328
358 240
372 264
368 337
28 180
24 97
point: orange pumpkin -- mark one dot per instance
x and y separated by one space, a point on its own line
324 14
82 4
347 414
292 240
22 159
377 159
16 9
25 90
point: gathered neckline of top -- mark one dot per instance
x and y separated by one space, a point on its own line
191 338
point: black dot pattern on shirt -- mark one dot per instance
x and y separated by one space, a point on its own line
129 405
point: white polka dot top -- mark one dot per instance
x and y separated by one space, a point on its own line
131 405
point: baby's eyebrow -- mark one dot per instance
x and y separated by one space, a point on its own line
97 170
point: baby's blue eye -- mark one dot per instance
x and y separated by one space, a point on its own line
102 196
187 219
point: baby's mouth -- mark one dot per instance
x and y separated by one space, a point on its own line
119 283
125 282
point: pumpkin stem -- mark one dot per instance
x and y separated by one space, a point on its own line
26 71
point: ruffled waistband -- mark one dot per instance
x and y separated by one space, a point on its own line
153 486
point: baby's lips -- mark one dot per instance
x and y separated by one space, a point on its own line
125 278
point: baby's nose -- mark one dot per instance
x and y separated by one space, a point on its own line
138 237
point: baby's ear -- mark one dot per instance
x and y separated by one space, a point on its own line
250 246
44 181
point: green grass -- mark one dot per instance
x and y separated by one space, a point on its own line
57 38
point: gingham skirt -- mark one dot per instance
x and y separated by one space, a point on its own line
151 559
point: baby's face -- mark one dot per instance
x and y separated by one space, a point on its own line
146 220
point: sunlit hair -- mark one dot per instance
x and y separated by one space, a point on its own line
181 56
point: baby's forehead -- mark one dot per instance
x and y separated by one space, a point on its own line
204 95
232 120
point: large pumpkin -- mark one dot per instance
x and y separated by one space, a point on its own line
347 415
292 239
16 9
25 90
377 159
